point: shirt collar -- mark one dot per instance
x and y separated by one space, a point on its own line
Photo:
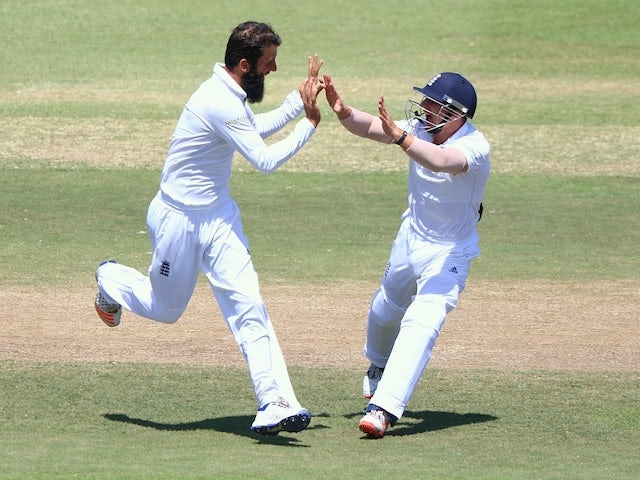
465 129
220 72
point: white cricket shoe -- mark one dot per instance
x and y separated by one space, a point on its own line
370 380
279 416
109 313
375 423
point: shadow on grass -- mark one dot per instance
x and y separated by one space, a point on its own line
237 425
430 421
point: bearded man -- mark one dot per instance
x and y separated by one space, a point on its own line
194 224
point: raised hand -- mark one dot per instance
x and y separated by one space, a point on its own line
388 124
335 101
314 66
310 88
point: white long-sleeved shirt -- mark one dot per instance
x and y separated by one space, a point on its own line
215 123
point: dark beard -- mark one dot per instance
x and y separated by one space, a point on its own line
253 85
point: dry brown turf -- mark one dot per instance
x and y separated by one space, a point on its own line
523 326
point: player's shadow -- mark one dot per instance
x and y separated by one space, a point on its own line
236 425
430 421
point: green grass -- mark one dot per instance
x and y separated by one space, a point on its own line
171 421
314 228
89 93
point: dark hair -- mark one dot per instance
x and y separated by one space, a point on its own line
248 41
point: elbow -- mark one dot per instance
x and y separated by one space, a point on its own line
262 161
265 169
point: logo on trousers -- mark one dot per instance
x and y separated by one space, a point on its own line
164 268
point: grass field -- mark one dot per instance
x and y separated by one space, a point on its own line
89 94
150 421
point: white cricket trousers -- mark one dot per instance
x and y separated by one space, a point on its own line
183 243
421 284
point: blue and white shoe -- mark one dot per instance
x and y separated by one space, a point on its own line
371 380
279 416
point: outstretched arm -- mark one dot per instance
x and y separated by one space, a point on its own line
303 99
341 110
433 157
249 141
357 122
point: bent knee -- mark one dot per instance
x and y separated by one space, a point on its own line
165 314
385 311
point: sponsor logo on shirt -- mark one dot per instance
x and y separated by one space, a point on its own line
235 121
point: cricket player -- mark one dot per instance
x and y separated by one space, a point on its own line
430 258
194 224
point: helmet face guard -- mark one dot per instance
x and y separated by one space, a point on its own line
433 121
453 93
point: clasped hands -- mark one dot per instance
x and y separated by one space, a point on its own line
310 88
313 85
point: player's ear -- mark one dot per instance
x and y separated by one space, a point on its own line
244 65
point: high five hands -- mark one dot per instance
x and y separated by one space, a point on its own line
310 88
333 98
343 111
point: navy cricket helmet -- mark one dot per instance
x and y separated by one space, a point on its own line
453 90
